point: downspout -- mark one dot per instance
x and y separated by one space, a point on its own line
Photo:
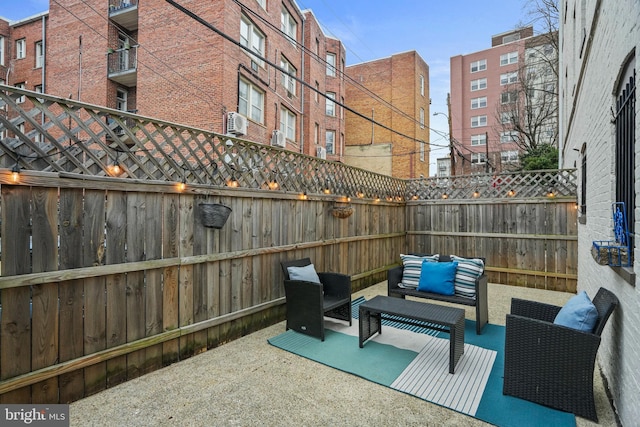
302 89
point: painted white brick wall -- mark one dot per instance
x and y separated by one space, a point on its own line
587 99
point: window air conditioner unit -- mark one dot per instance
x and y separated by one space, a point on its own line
321 152
236 123
278 139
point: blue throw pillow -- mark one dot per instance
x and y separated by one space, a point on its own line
578 313
437 277
306 273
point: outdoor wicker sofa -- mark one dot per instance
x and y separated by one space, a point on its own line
479 300
309 302
551 364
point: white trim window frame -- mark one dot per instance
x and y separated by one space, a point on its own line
510 156
508 78
331 64
421 118
479 65
509 97
508 58
478 158
480 102
39 54
250 101
2 50
288 82
21 48
288 123
253 39
508 137
480 139
478 121
478 84
330 108
21 99
288 25
330 141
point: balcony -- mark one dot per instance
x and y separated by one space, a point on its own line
124 13
122 65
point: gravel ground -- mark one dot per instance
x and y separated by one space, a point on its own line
248 382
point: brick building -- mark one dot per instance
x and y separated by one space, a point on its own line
481 85
393 137
191 66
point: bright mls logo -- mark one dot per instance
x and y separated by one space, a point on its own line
36 415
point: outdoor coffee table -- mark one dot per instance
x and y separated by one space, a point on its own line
439 317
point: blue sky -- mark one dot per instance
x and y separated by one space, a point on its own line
373 29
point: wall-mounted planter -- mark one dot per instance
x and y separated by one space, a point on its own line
342 210
214 215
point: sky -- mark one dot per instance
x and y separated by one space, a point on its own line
374 29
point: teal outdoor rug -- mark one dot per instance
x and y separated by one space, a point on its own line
415 361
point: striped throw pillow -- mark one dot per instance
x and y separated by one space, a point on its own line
469 269
412 266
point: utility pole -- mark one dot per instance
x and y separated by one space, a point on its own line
451 151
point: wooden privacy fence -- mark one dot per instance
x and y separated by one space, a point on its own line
107 275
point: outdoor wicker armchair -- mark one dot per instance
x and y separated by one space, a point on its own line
551 364
309 302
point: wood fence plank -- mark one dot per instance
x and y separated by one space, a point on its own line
200 284
185 278
153 287
170 280
136 214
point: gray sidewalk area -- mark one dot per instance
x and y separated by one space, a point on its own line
248 382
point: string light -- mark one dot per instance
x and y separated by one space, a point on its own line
476 194
182 185
551 193
511 193
233 182
15 173
445 196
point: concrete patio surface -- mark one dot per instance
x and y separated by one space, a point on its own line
248 382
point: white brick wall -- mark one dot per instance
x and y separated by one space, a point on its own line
587 99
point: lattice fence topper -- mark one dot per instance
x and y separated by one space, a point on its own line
52 134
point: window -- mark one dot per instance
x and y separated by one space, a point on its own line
288 25
317 91
21 99
509 156
508 97
508 58
478 103
2 50
422 150
288 81
288 123
251 101
330 104
507 78
479 139
510 38
507 117
252 39
477 121
39 54
583 181
421 118
330 139
262 3
316 133
480 65
506 137
421 85
478 84
625 128
21 49
38 88
121 99
478 158
331 65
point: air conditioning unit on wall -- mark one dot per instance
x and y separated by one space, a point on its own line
321 152
236 123
278 139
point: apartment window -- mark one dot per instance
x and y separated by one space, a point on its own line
480 65
421 118
479 139
21 49
507 137
478 121
422 151
251 101
121 99
22 98
331 65
478 158
288 123
510 38
315 94
478 102
478 84
625 129
508 78
288 81
330 104
316 133
39 54
288 25
506 117
262 3
508 58
38 88
508 97
252 39
2 50
509 156
421 85
330 139
342 109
